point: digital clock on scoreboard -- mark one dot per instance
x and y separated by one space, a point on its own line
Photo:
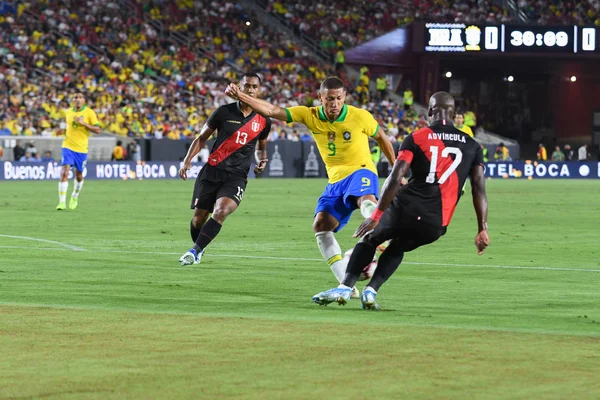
470 38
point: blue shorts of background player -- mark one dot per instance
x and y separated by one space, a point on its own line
74 159
339 199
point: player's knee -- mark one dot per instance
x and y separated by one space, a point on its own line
321 225
369 239
219 214
197 221
64 173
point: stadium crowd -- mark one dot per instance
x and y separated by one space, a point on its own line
558 12
161 69
347 23
141 82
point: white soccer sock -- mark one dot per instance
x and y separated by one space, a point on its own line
77 188
62 191
332 253
367 208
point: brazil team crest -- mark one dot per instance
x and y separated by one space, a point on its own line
347 135
331 136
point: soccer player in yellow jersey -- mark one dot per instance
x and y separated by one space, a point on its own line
81 120
459 123
341 133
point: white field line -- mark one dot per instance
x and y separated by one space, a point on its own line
67 246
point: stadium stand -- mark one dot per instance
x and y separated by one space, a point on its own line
160 68
586 12
348 23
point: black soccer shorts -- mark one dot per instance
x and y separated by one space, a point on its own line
214 183
407 232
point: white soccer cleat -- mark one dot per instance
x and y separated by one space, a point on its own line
190 258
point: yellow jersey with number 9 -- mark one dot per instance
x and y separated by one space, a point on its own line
343 143
77 135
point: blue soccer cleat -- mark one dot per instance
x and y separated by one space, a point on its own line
368 300
190 257
339 295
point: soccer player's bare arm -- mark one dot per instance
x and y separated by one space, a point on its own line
390 188
262 107
482 240
194 149
385 145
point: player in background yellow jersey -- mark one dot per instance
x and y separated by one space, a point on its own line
341 133
80 120
459 123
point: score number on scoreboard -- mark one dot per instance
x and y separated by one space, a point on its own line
461 38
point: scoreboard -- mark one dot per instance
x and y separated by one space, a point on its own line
511 39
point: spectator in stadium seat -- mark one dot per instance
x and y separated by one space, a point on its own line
542 154
4 131
306 137
582 153
569 153
47 156
558 155
26 158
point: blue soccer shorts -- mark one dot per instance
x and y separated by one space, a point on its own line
339 199
77 160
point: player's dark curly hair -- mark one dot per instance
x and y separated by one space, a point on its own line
332 82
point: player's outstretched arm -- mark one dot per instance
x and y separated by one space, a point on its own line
386 146
388 192
482 240
194 149
262 107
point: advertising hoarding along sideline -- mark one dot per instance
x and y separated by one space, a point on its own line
311 167
17 171
543 170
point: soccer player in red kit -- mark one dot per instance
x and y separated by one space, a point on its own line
441 158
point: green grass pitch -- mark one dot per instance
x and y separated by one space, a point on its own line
98 307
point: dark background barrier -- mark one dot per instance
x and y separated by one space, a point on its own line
285 160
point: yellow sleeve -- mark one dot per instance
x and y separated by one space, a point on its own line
93 118
372 126
297 114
